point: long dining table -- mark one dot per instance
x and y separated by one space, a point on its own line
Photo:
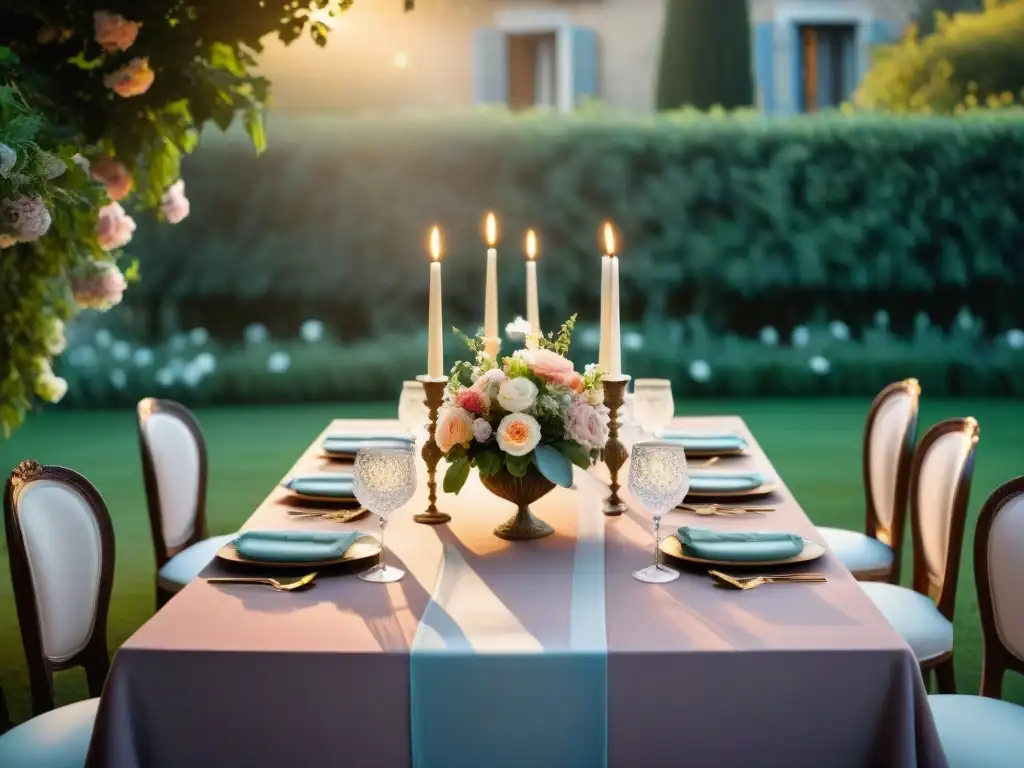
536 653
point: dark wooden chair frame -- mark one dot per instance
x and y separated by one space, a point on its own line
94 657
147 408
997 658
943 593
5 718
892 536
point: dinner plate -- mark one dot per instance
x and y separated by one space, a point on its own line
347 446
746 485
363 548
700 446
672 547
335 489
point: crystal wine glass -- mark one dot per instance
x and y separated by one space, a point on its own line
659 481
384 480
653 406
412 407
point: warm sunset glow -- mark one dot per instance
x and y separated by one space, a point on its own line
435 243
492 230
531 244
609 238
401 60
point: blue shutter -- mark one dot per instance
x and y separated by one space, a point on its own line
764 66
796 70
883 32
490 66
585 65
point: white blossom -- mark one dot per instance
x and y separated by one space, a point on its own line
590 337
311 331
700 370
56 341
164 377
192 375
121 350
964 319
143 357
769 336
278 362
819 365
178 342
632 340
882 318
199 336
839 330
801 336
1015 338
256 334
518 328
118 378
205 362
103 338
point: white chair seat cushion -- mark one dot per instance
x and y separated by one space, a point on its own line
858 552
186 565
55 739
914 616
979 732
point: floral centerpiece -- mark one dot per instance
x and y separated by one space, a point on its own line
523 422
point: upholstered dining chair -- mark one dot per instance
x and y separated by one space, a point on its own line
940 488
60 544
174 471
984 731
889 437
5 719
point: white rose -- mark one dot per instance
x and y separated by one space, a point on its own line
49 386
595 396
517 395
56 341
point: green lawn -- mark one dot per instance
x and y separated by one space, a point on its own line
815 445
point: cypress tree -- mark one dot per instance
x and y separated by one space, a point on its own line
705 55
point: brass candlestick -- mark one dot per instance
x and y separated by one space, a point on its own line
434 390
614 454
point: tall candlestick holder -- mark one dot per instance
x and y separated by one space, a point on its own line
434 391
614 454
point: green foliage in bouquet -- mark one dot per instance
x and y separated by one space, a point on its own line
529 409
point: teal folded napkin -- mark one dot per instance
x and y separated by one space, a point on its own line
695 442
327 486
738 546
708 482
294 546
351 444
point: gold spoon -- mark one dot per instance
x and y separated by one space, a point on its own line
279 586
752 582
709 462
718 509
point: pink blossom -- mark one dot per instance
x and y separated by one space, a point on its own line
133 79
101 289
114 32
174 205
6 241
114 227
25 218
587 425
114 176
454 427
552 367
472 400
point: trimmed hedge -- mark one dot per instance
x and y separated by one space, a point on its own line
743 221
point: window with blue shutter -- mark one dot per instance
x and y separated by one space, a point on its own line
490 66
585 65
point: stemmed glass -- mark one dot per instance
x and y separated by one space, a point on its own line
384 480
653 406
412 407
659 481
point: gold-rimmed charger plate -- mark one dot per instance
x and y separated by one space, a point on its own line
712 452
762 490
672 547
363 548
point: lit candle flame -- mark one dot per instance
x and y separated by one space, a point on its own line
531 244
609 238
435 243
492 230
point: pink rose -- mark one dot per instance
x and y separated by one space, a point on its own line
174 205
101 289
552 367
587 425
454 427
114 176
133 79
114 228
114 32
472 400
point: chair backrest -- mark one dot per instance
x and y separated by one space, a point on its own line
5 719
999 573
889 437
940 489
61 549
173 454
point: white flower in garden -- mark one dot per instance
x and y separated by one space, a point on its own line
121 350
590 337
481 430
517 394
801 335
700 370
178 342
518 433
769 336
256 334
174 205
518 328
279 362
595 396
48 386
118 379
633 340
143 357
839 330
192 375
311 331
199 336
964 319
164 377
103 338
1015 338
25 218
819 365
882 318
8 159
114 227
114 32
205 362
81 357
56 341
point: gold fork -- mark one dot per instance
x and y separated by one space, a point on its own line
278 585
719 509
752 582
